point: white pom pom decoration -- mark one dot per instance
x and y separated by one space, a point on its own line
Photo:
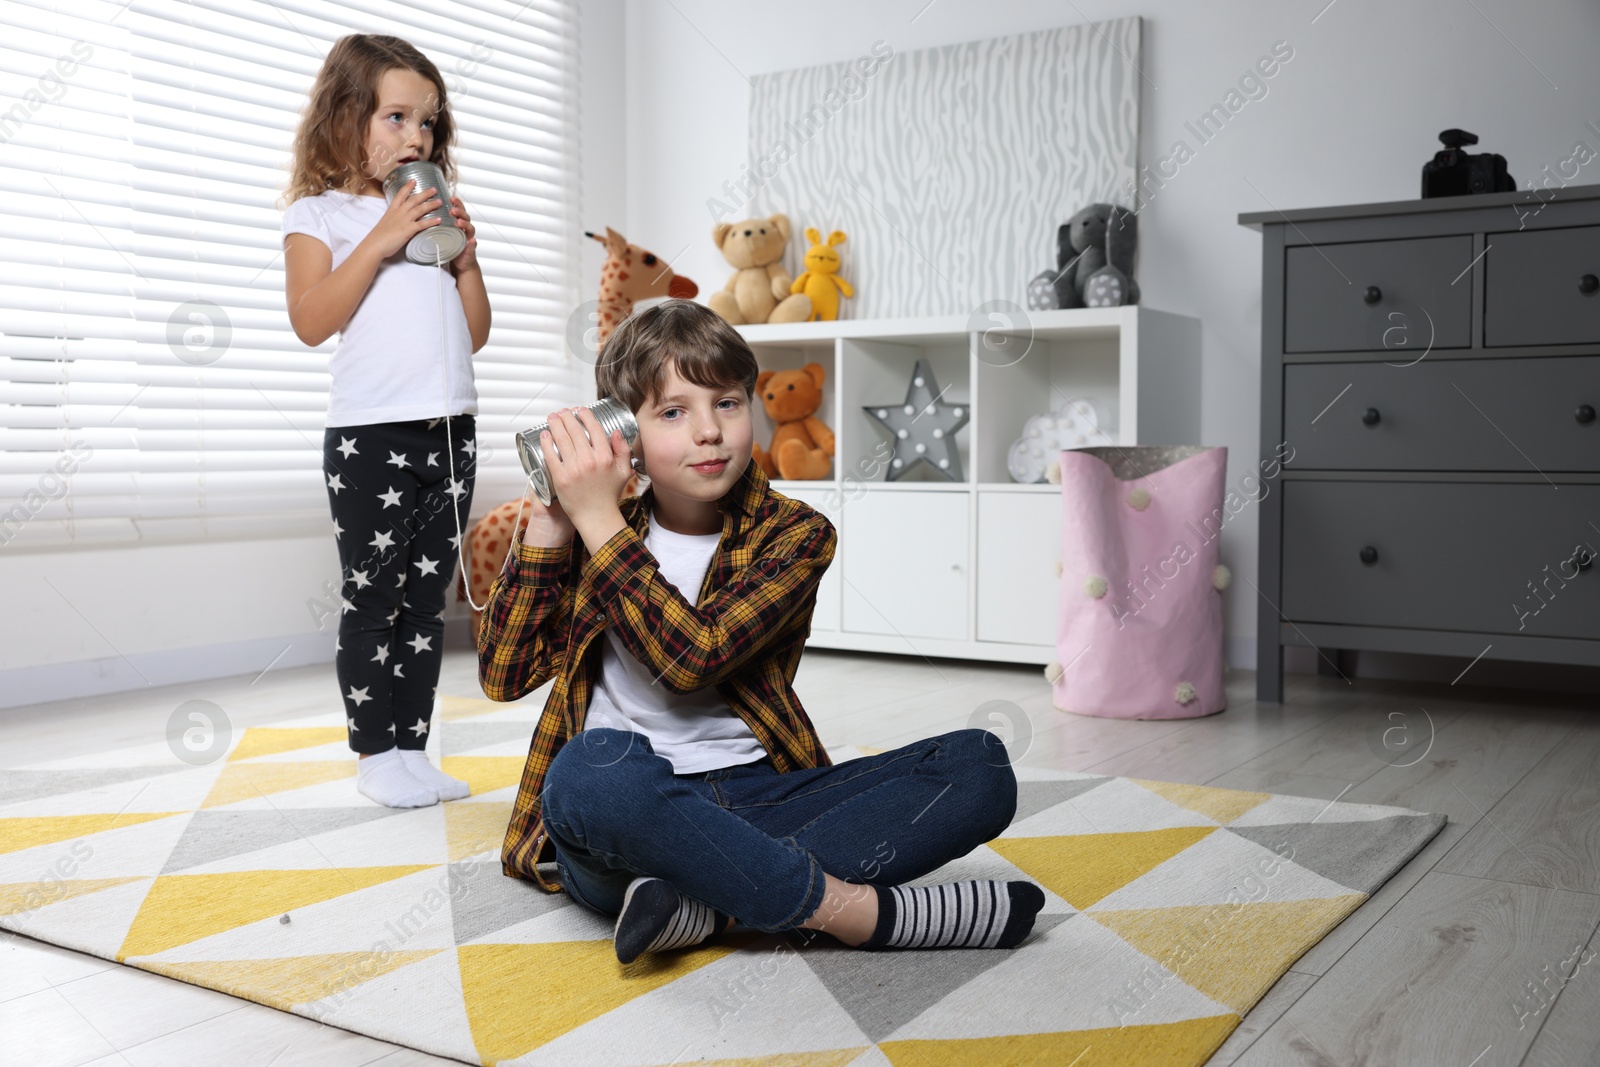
1184 693
1052 473
1139 498
1221 578
1095 585
1053 673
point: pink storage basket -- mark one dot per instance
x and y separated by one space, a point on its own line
1140 626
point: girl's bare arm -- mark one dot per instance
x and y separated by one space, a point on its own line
475 302
321 299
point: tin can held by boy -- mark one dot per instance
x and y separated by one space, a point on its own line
612 415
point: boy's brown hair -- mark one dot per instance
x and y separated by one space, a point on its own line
700 343
333 127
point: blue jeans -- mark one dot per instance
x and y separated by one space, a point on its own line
754 843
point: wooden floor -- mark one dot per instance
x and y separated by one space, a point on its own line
1457 961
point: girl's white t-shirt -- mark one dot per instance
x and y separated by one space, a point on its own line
695 731
387 366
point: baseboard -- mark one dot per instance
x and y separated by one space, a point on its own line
118 674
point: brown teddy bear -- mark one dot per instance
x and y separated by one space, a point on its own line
802 444
759 288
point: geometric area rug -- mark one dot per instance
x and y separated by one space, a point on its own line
1170 910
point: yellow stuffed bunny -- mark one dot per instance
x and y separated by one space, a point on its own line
820 280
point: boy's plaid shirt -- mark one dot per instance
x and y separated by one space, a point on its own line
548 608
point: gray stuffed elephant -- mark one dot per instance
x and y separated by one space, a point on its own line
1094 258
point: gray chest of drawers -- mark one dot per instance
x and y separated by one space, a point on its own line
1430 371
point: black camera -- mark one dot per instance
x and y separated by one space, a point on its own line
1453 172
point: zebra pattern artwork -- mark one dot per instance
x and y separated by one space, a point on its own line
949 168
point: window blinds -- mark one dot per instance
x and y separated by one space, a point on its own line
151 387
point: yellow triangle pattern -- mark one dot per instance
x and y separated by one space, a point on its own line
186 907
246 781
485 774
29 831
271 740
291 980
1084 868
473 828
1189 1042
507 1021
16 897
1221 805
1230 952
454 709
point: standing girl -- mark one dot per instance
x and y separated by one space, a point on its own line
398 403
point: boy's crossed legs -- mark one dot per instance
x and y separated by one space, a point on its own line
764 847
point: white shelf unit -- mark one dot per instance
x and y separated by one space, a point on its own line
934 568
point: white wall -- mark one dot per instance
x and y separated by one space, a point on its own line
88 621
83 622
1349 119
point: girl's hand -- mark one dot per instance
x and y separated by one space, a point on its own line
403 219
467 258
587 469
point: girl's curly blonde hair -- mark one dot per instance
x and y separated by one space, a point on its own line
329 145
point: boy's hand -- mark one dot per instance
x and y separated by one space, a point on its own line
467 258
587 472
548 527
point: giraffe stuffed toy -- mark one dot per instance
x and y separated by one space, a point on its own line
631 273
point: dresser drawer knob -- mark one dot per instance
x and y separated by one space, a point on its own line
1374 294
1369 555
1371 416
1588 283
1584 414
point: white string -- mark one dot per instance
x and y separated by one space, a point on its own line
450 452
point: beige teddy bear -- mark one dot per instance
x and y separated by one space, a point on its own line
759 288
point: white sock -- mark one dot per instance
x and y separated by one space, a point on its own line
384 778
448 788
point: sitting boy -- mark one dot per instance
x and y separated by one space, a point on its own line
673 775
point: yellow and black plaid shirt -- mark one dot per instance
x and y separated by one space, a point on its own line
744 635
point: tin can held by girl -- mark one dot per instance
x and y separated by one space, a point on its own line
435 245
612 415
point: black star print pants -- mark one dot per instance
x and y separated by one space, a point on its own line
392 497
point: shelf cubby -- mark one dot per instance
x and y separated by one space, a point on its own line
877 372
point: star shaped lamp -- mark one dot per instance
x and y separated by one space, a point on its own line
923 427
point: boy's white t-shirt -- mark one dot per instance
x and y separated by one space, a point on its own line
387 366
695 731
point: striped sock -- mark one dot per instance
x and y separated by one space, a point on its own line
655 917
971 914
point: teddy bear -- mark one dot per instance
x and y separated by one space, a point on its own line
1094 258
758 291
802 444
820 280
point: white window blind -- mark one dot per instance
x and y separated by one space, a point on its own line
151 387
